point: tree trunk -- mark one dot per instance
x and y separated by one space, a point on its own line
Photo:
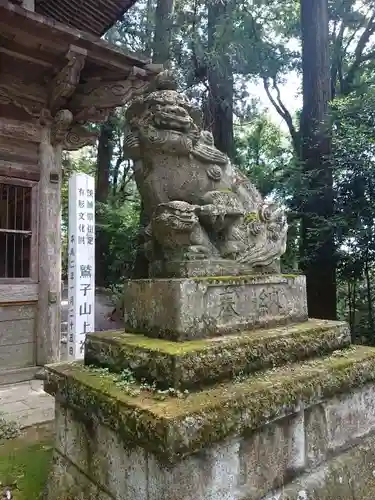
116 172
148 28
220 82
163 31
104 159
318 259
370 308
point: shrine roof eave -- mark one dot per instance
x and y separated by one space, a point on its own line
22 30
57 76
85 14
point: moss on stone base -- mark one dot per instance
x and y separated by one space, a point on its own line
241 279
190 364
175 428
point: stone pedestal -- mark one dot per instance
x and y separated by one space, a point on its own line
193 308
281 412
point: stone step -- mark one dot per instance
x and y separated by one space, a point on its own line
173 428
185 365
16 375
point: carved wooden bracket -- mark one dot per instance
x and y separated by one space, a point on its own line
92 115
61 124
71 137
78 137
93 100
65 82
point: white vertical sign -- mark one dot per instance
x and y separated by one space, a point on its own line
81 264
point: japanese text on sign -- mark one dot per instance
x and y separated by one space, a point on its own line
81 264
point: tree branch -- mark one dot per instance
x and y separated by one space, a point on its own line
368 57
283 112
336 67
358 54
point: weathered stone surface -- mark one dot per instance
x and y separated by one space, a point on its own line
192 364
271 455
333 425
179 309
350 476
316 430
174 428
271 462
198 205
350 416
67 481
205 267
97 452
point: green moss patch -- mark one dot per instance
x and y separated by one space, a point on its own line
248 278
174 428
186 365
24 467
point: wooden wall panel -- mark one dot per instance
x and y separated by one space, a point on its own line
20 130
17 332
17 170
17 335
17 312
17 292
19 151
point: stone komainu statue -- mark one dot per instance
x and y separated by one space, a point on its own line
201 209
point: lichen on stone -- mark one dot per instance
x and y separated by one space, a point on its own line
251 217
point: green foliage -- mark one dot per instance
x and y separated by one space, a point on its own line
354 152
120 222
264 154
24 467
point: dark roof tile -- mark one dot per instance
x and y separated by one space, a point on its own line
92 16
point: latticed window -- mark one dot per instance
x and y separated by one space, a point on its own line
18 229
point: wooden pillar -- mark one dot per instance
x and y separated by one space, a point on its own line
49 311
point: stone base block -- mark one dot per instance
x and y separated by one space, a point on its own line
289 434
193 364
187 309
172 428
212 267
348 476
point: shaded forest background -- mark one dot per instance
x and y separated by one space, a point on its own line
320 164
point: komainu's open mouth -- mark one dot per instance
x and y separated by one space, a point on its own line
173 118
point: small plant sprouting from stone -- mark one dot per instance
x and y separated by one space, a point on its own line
8 429
240 377
126 381
161 395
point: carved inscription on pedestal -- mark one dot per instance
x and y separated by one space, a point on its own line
254 303
228 302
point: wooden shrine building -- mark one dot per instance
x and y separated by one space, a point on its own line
56 75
